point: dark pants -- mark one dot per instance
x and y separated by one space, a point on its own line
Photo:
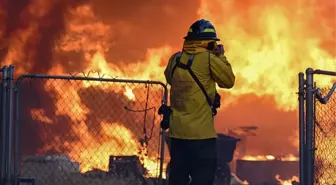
194 158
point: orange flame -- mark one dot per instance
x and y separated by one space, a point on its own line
92 152
286 182
39 115
129 94
289 157
267 42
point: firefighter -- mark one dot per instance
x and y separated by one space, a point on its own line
193 74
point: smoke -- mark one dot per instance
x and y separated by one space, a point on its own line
145 24
31 30
39 34
276 129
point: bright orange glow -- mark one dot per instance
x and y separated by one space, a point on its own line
258 158
39 115
267 42
287 182
129 94
289 157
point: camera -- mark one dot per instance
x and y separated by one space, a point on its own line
220 49
216 104
166 112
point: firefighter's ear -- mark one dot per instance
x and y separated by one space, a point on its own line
211 46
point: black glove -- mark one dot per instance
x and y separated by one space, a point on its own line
219 50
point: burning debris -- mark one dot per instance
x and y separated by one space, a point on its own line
48 162
48 169
58 169
263 171
55 169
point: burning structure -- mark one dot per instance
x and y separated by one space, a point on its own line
260 171
88 121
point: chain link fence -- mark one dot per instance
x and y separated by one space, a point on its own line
325 140
317 123
81 130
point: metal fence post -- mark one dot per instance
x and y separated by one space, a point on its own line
10 125
16 135
302 143
309 126
4 123
163 136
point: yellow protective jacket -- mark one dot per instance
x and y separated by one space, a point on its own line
192 116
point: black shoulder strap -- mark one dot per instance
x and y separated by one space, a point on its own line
191 58
177 61
188 67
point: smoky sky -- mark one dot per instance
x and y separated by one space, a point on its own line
18 17
151 23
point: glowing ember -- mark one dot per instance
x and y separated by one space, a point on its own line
290 157
286 182
258 158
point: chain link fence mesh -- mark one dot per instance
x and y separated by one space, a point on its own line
325 141
89 132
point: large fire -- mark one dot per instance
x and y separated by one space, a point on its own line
289 157
268 43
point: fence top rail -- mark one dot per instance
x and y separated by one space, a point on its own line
86 78
330 73
82 78
4 68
